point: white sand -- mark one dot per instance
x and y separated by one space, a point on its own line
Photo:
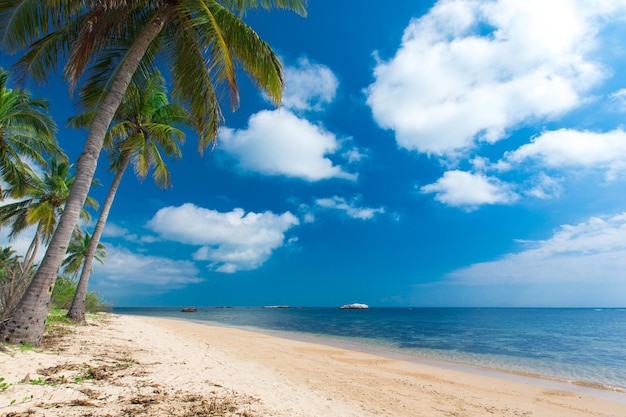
138 366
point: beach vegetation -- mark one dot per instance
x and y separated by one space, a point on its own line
27 138
62 295
204 43
144 130
24 347
42 200
13 280
41 381
82 251
27 133
41 205
77 252
3 384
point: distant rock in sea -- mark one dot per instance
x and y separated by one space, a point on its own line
355 306
189 310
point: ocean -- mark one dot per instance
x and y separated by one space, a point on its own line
582 346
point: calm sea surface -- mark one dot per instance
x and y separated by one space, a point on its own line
572 344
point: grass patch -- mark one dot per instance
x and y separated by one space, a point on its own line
58 316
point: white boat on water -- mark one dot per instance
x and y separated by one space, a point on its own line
354 306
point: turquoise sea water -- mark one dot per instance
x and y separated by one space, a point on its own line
576 345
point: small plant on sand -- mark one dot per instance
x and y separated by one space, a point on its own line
4 385
125 365
41 381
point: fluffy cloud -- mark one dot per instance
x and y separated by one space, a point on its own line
231 241
592 251
281 143
125 268
349 208
309 86
566 148
469 70
464 189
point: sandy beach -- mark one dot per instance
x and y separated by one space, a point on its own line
140 366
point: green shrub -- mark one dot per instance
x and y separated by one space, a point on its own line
93 303
63 295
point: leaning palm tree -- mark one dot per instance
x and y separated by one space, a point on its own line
26 134
202 40
143 124
77 252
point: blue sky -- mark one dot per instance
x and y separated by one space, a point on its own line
451 153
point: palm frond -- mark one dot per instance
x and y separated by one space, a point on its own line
298 6
201 21
193 84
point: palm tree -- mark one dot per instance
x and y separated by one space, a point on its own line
26 132
143 124
42 206
77 252
201 39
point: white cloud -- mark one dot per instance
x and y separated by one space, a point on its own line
113 230
469 70
122 267
280 143
464 189
544 187
619 97
231 241
593 251
349 208
308 86
566 148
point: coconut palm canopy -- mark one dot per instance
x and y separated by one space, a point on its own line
429 153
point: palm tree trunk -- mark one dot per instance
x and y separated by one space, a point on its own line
77 309
29 258
29 319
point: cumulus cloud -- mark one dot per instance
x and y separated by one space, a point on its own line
281 143
591 251
350 208
567 148
464 189
123 267
309 86
231 241
469 70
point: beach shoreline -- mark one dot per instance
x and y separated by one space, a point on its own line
161 366
575 386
